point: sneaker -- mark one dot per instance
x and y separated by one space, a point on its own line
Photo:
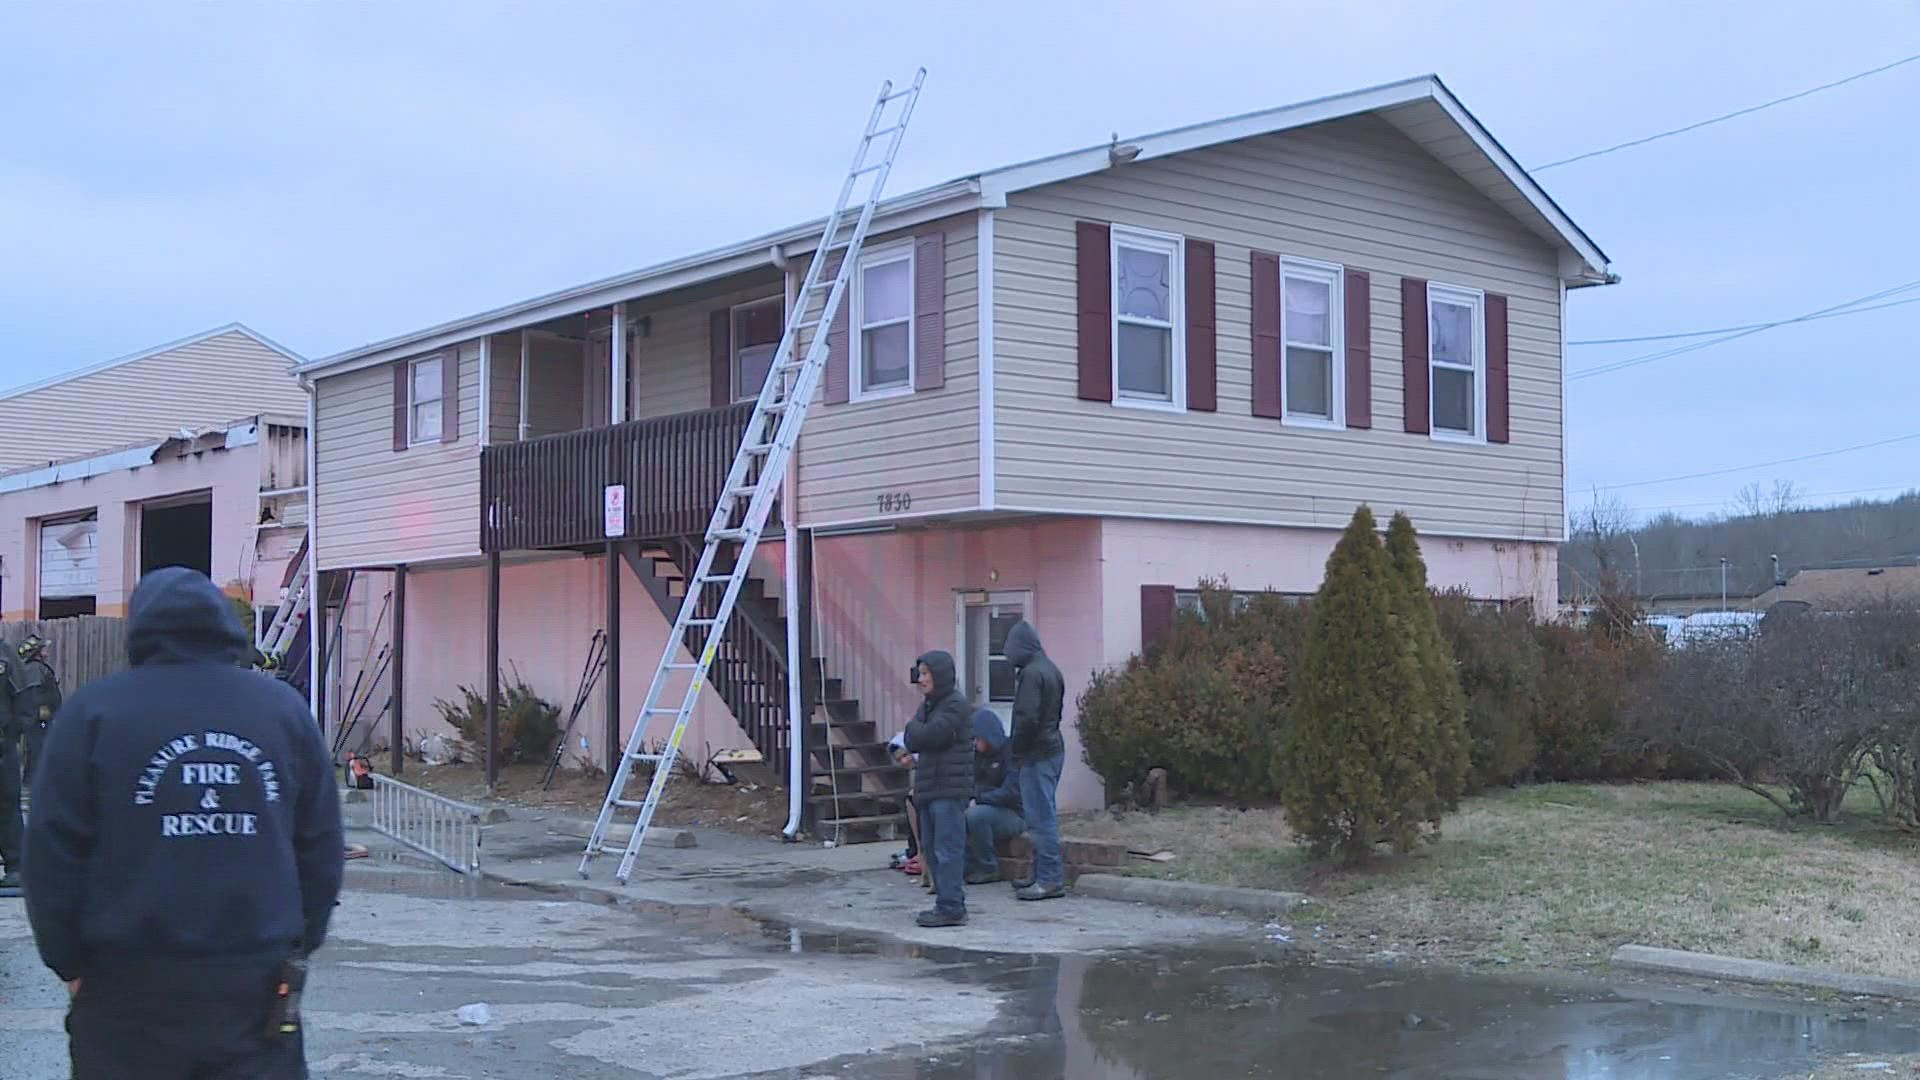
937 918
1037 891
1023 884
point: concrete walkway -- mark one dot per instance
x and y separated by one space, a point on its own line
811 887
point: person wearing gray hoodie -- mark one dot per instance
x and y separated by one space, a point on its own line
1039 753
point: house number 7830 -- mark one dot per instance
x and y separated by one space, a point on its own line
894 502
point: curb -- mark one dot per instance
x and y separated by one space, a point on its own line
1706 965
1256 902
621 832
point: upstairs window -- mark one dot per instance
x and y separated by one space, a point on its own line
756 334
1149 353
883 313
1457 355
1311 328
424 407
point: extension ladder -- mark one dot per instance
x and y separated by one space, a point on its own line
285 626
759 468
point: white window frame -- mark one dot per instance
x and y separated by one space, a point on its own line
856 321
414 401
1476 301
740 393
1334 277
1174 246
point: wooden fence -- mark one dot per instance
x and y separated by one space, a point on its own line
83 648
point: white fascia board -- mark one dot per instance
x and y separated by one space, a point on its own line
81 469
915 208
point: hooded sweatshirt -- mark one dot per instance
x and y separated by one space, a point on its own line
996 779
941 734
186 808
1038 692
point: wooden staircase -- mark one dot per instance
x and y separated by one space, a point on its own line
855 792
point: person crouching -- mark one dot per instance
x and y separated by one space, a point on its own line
995 813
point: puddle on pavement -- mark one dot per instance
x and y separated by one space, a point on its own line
1259 1010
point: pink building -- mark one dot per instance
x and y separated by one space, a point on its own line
1066 391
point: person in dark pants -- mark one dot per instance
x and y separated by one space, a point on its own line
995 813
36 698
1039 753
940 733
184 853
10 773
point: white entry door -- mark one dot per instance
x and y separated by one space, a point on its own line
986 676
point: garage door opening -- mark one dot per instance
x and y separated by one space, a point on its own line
177 532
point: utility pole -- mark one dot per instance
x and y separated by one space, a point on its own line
1723 583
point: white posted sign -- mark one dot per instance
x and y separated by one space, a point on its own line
616 510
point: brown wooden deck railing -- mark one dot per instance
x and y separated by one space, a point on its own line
550 492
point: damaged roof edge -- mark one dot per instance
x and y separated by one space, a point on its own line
986 190
913 208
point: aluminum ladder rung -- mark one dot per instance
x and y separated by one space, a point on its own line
768 449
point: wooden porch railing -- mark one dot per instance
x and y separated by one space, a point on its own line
550 492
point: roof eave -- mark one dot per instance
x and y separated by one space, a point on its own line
903 211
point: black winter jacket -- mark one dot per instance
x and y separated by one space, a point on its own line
1038 692
184 809
941 733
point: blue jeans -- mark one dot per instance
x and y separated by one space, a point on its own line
986 826
943 849
1039 803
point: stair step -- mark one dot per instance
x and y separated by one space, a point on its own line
857 770
849 796
872 821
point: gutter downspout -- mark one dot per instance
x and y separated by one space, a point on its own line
796 664
317 600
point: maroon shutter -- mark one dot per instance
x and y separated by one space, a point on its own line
1095 286
450 396
1266 334
1496 368
402 376
1359 291
930 311
839 376
1156 615
720 357
1202 381
1417 401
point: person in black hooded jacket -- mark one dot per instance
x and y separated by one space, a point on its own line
184 846
941 733
1040 754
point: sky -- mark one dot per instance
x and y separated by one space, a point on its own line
335 173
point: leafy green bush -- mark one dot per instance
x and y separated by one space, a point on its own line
1209 705
528 723
1359 764
1496 651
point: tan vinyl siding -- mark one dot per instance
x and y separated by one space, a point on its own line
1354 192
925 445
672 364
504 388
209 382
379 506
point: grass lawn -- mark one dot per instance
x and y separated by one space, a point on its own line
746 808
1560 874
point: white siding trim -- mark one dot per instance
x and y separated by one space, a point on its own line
526 363
486 391
1566 533
984 281
1201 519
317 605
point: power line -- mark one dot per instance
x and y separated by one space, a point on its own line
1767 464
1737 329
1728 116
1621 365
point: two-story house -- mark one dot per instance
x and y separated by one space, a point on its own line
1064 390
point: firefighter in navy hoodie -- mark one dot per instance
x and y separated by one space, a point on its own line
184 851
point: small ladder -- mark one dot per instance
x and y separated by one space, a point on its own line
753 482
287 617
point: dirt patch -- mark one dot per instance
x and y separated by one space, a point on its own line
745 808
1559 875
1855 1066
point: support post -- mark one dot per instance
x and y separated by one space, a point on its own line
802 614
317 648
617 361
397 669
493 669
610 737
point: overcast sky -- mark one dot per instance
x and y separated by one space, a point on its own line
334 173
